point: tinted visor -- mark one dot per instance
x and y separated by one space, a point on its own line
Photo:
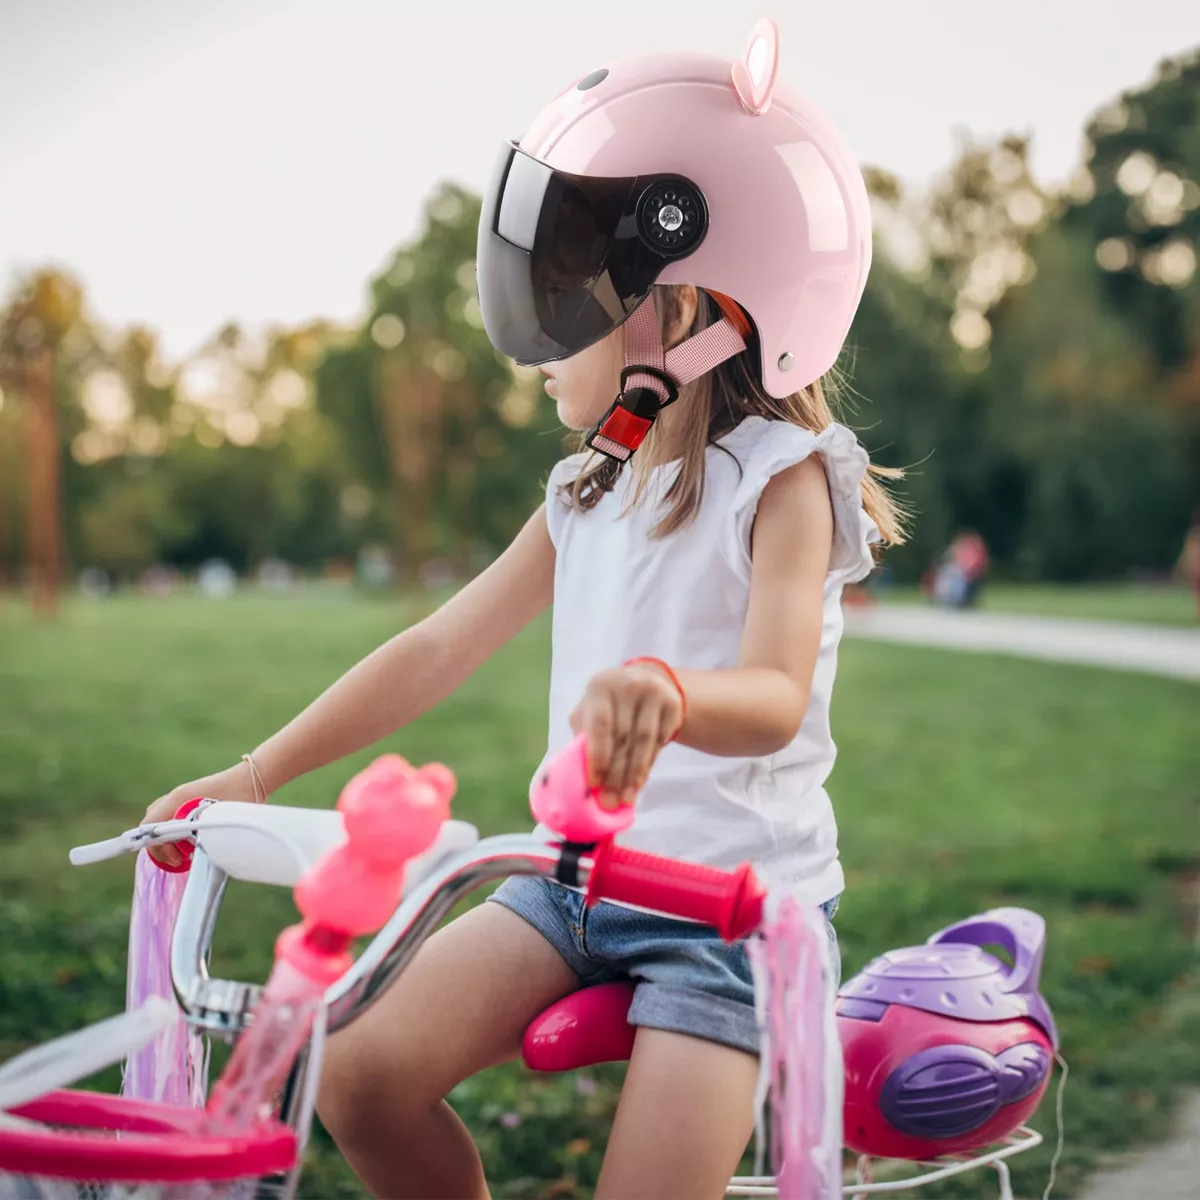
561 261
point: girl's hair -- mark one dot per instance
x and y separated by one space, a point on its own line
727 394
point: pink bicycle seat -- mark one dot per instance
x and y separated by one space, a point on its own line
587 1027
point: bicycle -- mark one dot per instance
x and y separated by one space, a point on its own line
51 1147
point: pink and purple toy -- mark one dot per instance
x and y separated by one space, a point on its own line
947 1048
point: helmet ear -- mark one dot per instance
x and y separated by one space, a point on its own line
755 74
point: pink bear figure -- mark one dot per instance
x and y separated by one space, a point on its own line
562 799
393 812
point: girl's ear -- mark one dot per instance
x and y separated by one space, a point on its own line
684 316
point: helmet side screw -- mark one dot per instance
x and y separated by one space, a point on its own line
786 361
670 217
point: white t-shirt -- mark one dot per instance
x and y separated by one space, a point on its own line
618 593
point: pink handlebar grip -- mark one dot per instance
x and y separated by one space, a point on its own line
730 901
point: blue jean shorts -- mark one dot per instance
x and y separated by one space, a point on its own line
688 980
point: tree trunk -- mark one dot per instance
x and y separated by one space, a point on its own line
414 420
45 547
7 532
462 467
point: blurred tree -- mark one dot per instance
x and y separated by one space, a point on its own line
922 336
1138 201
965 238
1101 481
1137 204
223 455
1075 454
10 495
125 528
45 341
428 411
1067 454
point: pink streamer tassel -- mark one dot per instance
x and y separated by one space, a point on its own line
173 1069
801 1058
259 1065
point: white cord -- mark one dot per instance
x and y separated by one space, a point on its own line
762 1085
55 1064
1058 1117
312 1075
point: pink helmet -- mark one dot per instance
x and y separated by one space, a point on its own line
691 169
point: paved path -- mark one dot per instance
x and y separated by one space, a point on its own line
1167 1172
1122 645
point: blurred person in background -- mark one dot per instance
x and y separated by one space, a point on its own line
958 578
1188 567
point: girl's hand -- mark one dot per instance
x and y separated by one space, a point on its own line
236 783
628 714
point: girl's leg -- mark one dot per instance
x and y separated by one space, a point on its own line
685 1117
461 1006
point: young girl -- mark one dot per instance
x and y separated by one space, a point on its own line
674 202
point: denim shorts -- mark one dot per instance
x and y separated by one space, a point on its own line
688 980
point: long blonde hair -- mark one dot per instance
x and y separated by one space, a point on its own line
728 393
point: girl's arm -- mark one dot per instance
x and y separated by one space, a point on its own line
756 707
416 669
401 680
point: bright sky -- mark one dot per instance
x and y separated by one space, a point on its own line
259 159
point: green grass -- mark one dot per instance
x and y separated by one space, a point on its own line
1153 604
962 783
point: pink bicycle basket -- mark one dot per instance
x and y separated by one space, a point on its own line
72 1145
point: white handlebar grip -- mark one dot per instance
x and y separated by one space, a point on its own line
263 843
258 842
94 852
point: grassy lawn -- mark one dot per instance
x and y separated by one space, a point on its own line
962 783
1154 604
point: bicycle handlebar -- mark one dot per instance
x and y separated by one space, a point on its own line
729 901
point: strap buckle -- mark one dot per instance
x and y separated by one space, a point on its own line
624 427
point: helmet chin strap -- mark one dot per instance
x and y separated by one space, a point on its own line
652 377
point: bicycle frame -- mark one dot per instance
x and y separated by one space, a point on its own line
223 1008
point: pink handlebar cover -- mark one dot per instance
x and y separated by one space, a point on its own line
730 901
186 848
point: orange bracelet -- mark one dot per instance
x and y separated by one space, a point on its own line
670 674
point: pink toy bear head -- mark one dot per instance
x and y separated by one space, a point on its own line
562 799
393 810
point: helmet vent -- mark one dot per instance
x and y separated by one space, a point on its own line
671 217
